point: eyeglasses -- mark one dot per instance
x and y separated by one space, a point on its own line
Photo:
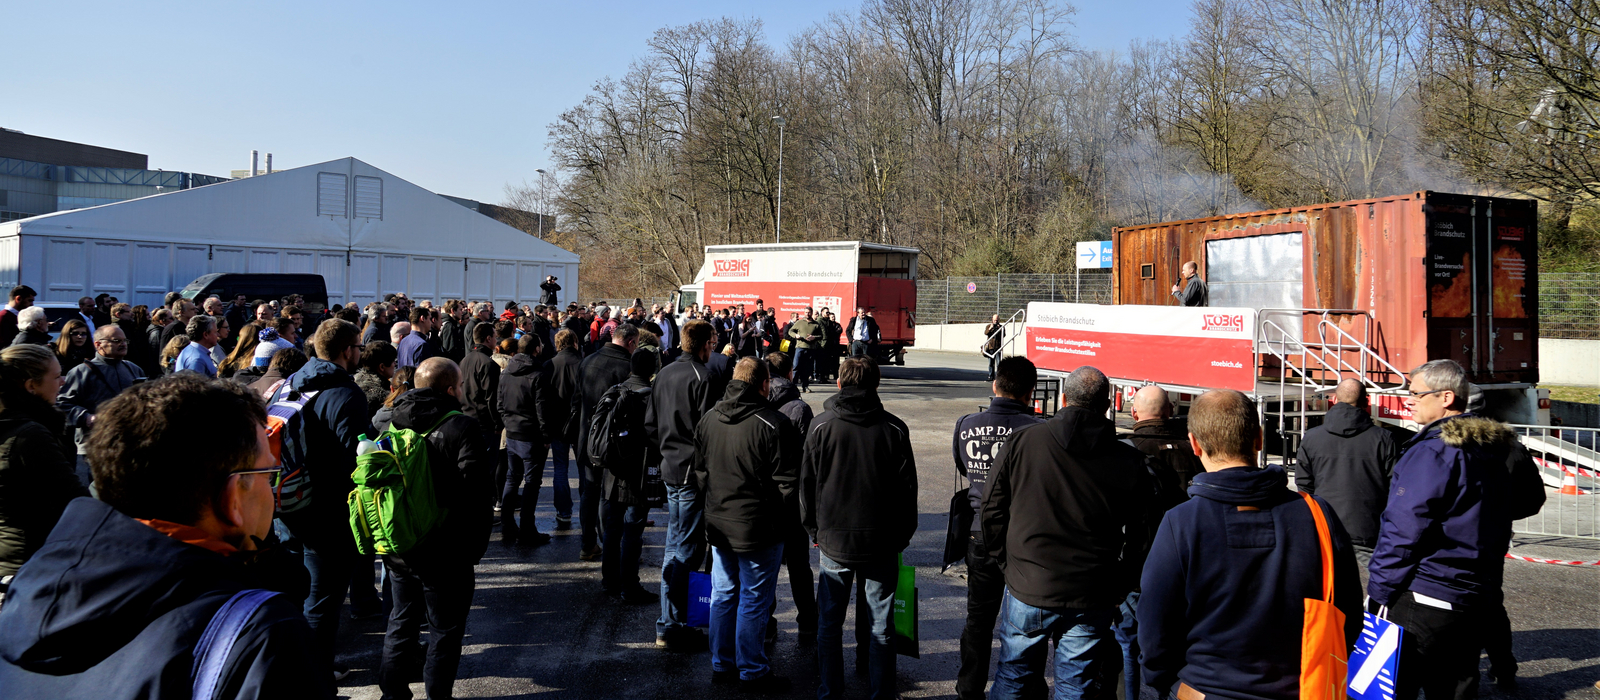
247 472
1415 395
110 341
78 335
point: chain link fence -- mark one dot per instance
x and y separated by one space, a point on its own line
975 299
1569 305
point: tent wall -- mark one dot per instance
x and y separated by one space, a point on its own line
142 272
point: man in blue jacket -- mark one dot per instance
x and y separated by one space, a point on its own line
1444 532
1224 586
114 604
334 420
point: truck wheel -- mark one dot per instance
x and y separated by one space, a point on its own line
900 357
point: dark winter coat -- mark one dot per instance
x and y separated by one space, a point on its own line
629 489
480 389
721 367
87 386
1447 524
746 462
334 421
1065 513
451 343
785 397
1194 293
32 336
463 472
548 298
858 480
1172 461
139 352
978 439
607 367
1224 588
111 608
566 400
682 396
524 395
36 478
1347 461
415 348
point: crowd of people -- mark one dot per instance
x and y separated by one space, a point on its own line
1169 558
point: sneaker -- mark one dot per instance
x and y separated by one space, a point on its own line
590 554
683 639
563 522
360 615
1507 681
340 672
770 684
533 539
724 677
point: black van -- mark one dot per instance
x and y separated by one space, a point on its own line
263 286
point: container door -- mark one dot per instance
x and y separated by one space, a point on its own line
1259 272
1512 241
1453 294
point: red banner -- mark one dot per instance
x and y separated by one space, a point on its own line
1198 347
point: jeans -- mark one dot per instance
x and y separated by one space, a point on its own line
994 364
434 586
986 585
1084 649
621 540
683 552
364 597
492 448
560 480
525 460
1439 653
1125 627
859 349
743 590
833 600
331 558
805 363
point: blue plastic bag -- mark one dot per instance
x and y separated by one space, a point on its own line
1375 663
699 612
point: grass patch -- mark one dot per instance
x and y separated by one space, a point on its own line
1575 394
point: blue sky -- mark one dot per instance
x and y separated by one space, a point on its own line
452 96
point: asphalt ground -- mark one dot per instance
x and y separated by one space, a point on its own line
540 627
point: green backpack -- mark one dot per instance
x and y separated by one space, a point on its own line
394 504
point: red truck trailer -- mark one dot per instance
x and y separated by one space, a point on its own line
838 275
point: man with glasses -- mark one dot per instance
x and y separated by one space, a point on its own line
80 618
1436 567
95 382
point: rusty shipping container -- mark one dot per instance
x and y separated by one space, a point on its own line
1443 275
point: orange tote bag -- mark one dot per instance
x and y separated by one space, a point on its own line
1324 658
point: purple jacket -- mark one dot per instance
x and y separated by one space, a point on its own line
1447 525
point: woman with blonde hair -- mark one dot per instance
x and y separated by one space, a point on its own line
169 354
244 351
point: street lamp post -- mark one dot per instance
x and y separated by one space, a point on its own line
779 121
541 202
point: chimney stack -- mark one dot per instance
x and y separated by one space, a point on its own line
269 163
255 162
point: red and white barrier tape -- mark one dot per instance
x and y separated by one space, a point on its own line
1562 562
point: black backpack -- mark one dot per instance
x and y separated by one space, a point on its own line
617 435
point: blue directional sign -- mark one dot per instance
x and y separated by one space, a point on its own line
1094 254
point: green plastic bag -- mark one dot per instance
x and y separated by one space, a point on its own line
394 504
906 642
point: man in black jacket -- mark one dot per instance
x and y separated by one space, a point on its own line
858 486
480 386
606 368
746 461
784 397
549 288
561 421
862 334
433 580
1065 517
524 393
977 442
623 508
682 395
334 421
1347 461
452 342
1194 291
92 383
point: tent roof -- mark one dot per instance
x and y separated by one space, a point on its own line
282 209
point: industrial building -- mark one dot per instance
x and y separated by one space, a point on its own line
366 231
41 175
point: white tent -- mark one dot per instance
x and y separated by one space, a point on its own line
367 232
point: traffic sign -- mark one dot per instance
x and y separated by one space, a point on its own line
972 287
1094 254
